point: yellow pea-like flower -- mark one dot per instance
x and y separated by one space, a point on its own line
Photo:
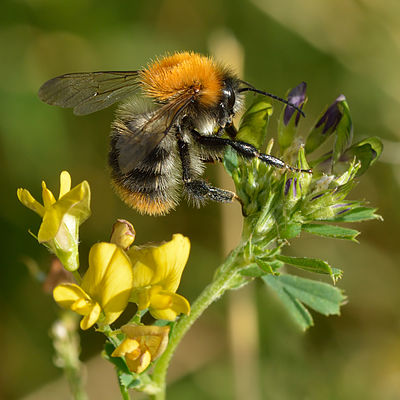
60 218
142 345
105 289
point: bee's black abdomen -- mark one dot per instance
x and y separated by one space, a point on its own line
152 186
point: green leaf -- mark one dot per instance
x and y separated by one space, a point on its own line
293 291
297 311
356 215
290 230
331 231
129 380
254 271
253 126
367 151
308 264
231 160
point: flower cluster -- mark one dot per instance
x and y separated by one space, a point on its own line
117 273
279 205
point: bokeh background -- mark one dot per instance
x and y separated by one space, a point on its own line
245 345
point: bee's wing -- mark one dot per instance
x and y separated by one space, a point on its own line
87 92
142 140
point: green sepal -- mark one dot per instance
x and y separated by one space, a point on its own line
332 231
253 125
295 291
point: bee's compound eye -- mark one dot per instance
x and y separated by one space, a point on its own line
229 96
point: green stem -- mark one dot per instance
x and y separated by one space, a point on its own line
75 381
221 282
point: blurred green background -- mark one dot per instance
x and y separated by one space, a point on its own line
336 46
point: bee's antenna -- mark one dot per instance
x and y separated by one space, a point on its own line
251 88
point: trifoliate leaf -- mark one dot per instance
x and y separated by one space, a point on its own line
294 291
297 311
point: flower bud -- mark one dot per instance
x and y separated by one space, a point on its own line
123 234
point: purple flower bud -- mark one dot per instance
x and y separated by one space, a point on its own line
341 205
297 97
287 186
317 196
332 116
291 183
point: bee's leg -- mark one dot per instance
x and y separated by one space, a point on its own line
246 150
197 190
231 131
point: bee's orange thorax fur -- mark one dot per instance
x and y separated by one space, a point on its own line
184 73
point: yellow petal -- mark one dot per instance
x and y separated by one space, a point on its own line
160 265
76 202
174 255
89 320
141 297
67 294
65 183
108 279
48 198
160 299
28 200
140 364
127 346
154 337
51 223
178 305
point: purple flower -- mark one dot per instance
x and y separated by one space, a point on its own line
297 97
332 116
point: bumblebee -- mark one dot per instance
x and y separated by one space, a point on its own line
161 139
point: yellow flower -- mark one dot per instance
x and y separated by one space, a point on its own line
61 218
105 288
157 272
142 345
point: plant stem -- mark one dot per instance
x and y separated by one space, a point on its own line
223 277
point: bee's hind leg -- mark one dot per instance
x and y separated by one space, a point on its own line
199 191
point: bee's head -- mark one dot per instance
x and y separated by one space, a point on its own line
229 103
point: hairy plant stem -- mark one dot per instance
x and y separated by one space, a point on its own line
225 274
